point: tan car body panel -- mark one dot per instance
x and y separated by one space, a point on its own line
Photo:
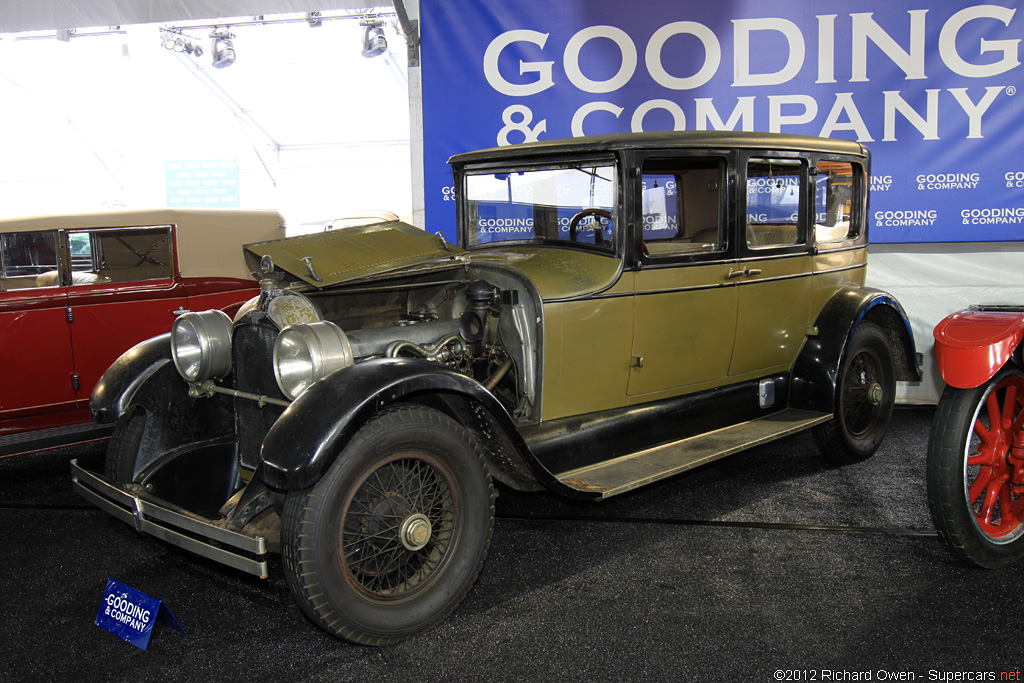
560 273
340 256
675 352
834 270
584 339
201 235
772 314
586 350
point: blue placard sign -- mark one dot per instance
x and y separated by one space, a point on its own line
130 615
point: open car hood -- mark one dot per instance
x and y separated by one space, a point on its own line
334 257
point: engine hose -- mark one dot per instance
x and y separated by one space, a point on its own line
502 370
431 353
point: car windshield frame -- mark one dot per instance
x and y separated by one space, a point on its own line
597 176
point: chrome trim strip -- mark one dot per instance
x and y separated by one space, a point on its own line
855 266
156 520
697 288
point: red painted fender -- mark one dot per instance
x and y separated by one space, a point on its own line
971 346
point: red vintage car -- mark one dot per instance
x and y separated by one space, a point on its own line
976 448
76 291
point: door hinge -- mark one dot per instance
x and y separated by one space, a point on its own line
76 382
69 313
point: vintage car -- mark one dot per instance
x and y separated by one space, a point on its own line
619 309
975 460
78 290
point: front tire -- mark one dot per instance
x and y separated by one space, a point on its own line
393 536
975 478
123 448
864 400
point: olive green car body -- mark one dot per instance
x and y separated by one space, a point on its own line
619 309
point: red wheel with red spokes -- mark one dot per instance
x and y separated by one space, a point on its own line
976 470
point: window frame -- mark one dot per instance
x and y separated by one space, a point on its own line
803 243
859 213
726 162
567 162
95 240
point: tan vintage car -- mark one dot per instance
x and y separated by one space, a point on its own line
619 309
78 290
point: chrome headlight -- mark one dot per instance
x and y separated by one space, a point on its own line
307 352
201 345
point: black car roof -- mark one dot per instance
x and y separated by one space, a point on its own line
665 140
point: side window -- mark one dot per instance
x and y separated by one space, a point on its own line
29 260
120 255
681 206
836 187
774 188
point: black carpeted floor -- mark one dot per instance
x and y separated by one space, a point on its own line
760 564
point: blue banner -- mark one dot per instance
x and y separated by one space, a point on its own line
930 87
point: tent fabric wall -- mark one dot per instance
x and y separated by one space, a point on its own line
933 280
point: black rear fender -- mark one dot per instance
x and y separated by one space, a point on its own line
816 371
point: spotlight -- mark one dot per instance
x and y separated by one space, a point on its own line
176 41
223 48
374 42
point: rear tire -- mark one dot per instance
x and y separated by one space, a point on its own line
393 536
864 399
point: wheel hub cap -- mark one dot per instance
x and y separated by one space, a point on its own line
875 394
415 531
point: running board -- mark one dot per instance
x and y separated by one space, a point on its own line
648 466
55 437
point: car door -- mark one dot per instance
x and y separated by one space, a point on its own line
35 343
685 298
773 276
123 290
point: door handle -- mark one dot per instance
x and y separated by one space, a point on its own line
743 273
181 311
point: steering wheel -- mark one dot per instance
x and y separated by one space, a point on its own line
598 234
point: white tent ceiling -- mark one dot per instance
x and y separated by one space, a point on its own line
17 15
315 129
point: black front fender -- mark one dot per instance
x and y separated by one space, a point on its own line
816 371
113 394
311 432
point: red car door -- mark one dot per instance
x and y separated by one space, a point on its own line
122 292
36 361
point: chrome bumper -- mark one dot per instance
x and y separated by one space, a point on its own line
189 532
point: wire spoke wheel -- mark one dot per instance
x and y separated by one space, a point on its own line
398 527
976 470
862 391
865 396
392 537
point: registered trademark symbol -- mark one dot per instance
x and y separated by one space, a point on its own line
1011 90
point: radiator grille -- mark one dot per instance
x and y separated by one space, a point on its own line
252 360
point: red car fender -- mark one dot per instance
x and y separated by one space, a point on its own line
971 346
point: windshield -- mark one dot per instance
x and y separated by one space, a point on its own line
572 204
